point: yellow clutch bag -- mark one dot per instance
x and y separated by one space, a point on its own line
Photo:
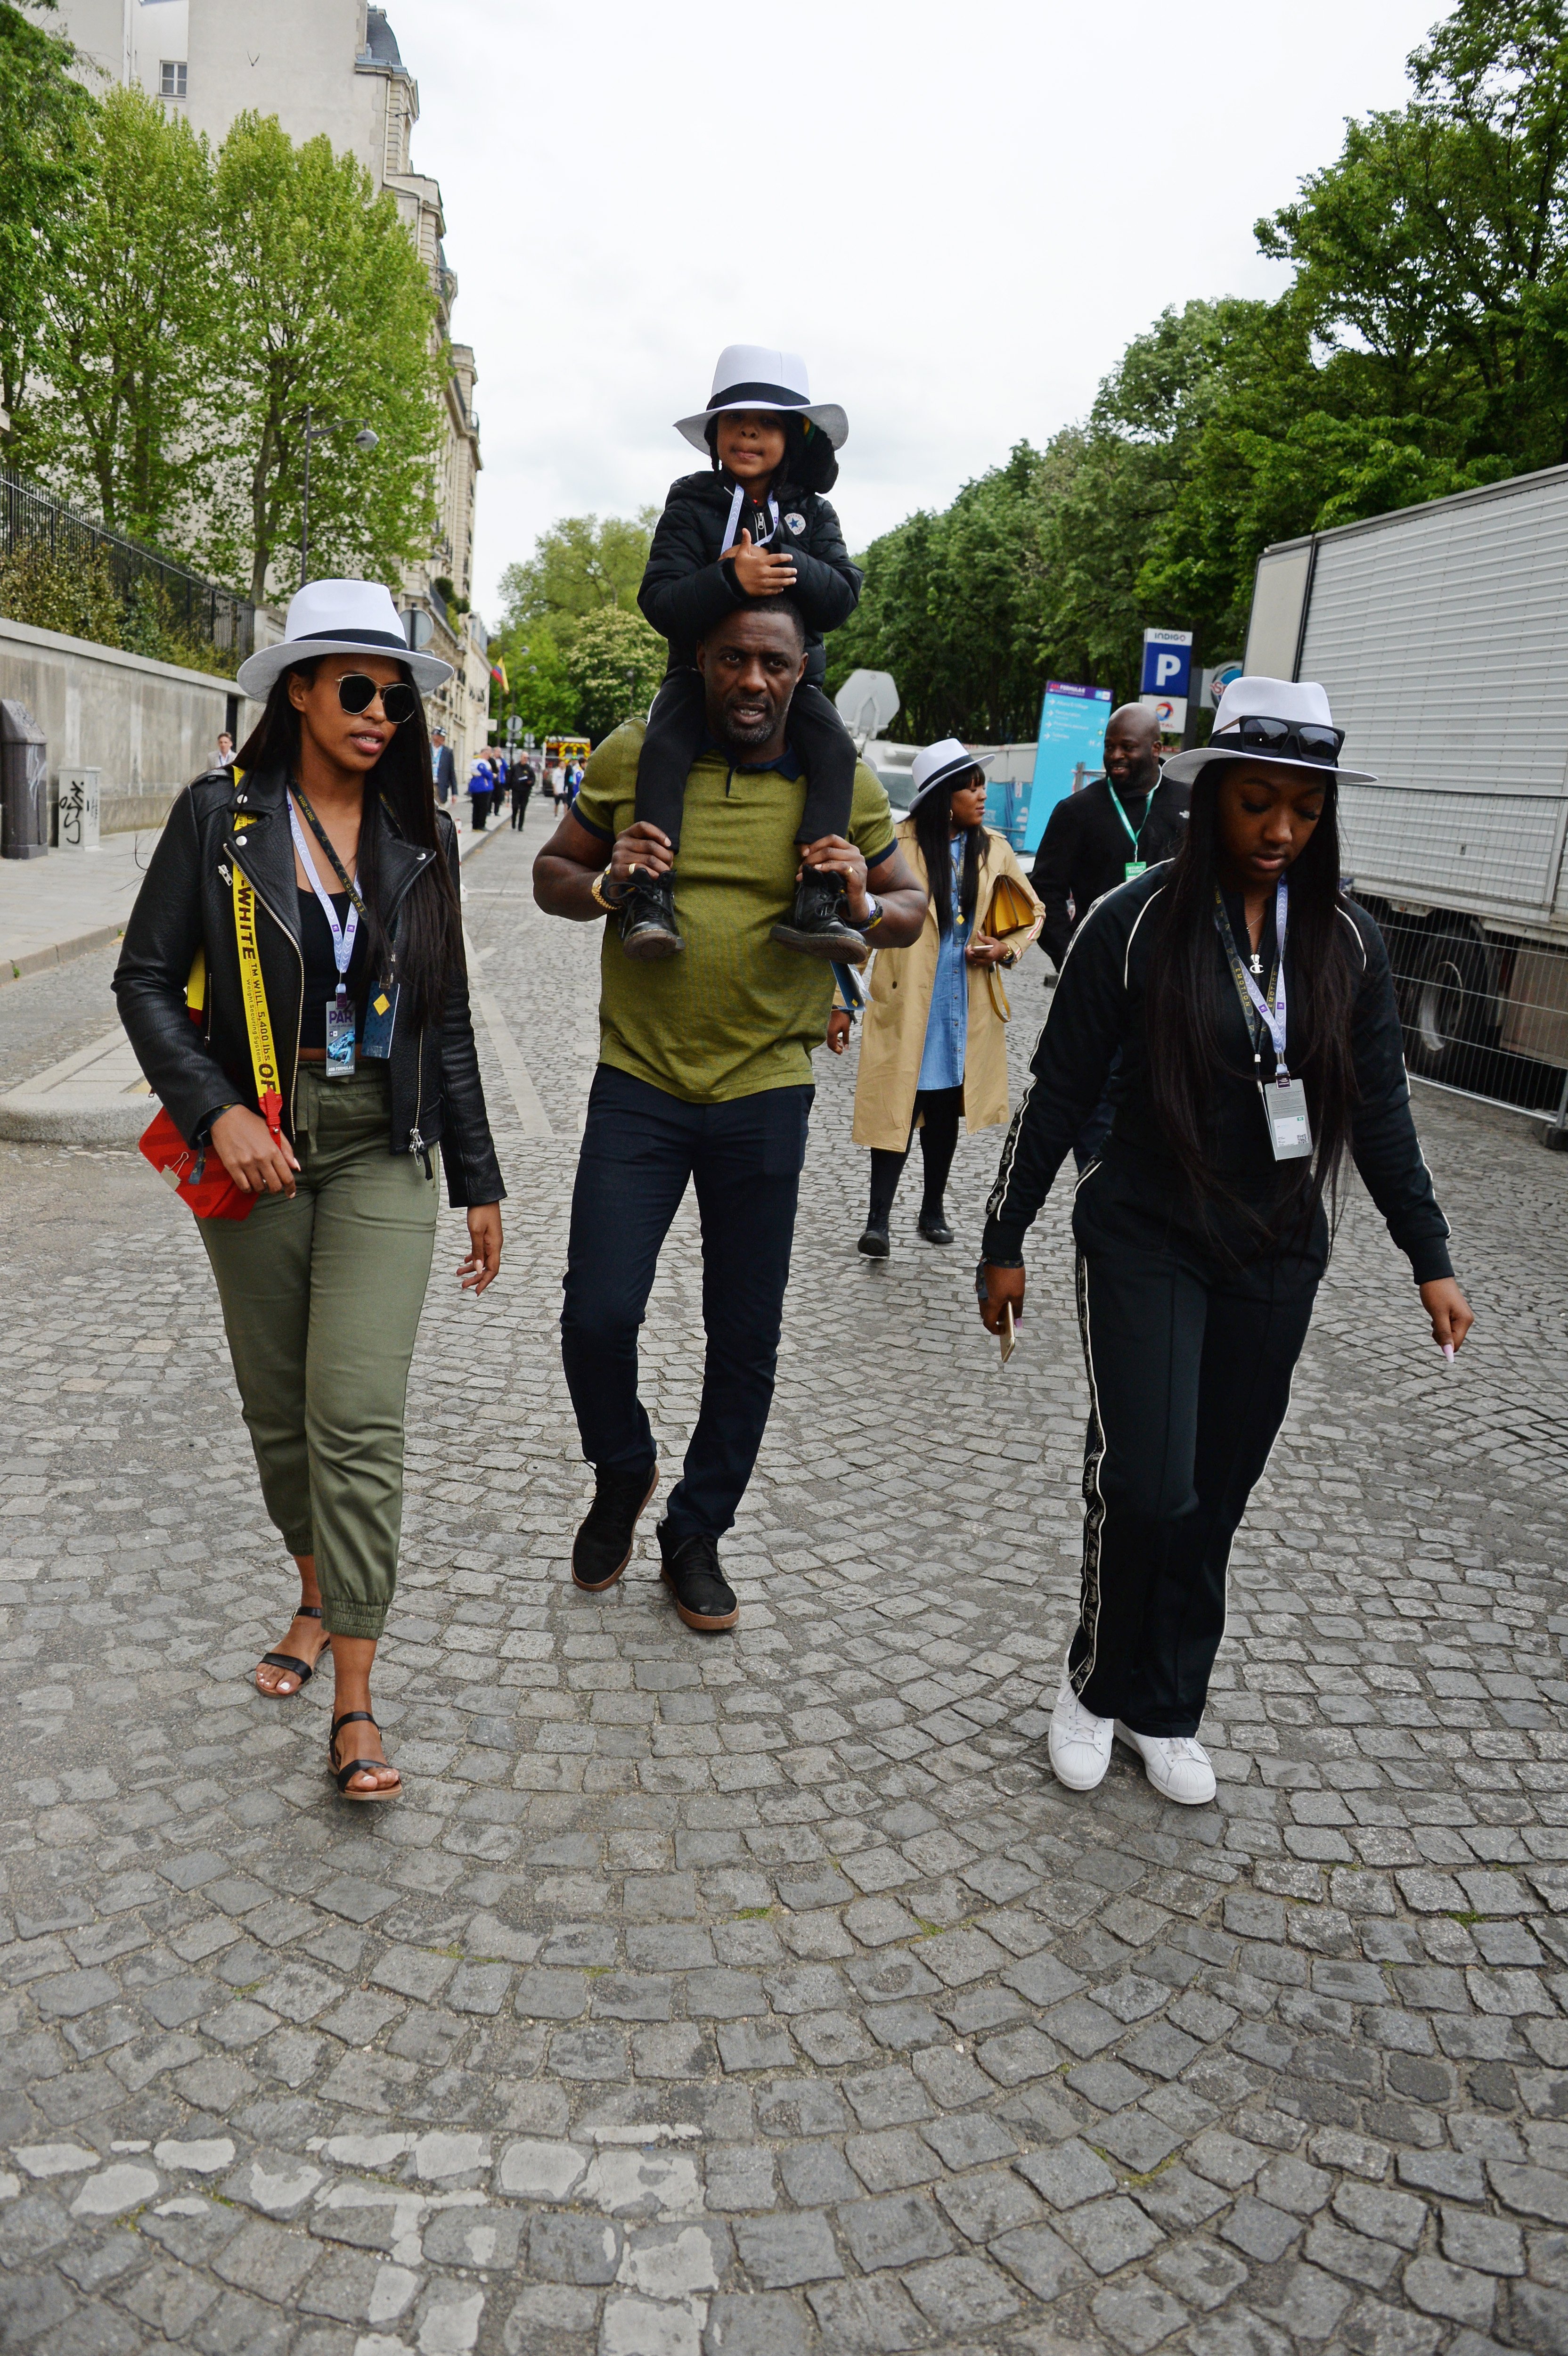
1011 911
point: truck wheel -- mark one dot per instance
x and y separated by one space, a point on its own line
1448 1005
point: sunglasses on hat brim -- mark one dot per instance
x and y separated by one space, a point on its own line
357 692
1294 739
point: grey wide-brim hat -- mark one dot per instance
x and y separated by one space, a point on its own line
758 376
939 764
1299 701
339 617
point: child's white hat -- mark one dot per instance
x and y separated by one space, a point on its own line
758 376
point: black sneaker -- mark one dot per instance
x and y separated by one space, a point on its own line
703 1596
874 1242
603 1547
817 925
934 1227
647 920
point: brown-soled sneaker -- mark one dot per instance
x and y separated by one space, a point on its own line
703 1596
603 1547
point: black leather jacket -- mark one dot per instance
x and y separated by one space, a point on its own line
186 902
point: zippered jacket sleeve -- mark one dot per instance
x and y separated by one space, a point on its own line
1053 879
1383 1142
685 592
1068 1068
161 940
467 1152
827 585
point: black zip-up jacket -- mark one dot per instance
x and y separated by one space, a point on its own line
186 902
686 589
1098 1008
1084 851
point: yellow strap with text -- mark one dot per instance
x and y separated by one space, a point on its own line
258 1021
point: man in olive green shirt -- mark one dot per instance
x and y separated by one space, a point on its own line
704 1074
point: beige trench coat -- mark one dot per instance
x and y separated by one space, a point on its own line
893 1037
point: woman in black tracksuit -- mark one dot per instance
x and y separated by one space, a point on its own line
1202 1231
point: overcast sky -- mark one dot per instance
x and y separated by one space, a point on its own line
958 213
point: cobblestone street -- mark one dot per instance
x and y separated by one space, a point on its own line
761 1995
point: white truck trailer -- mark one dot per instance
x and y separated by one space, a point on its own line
1441 634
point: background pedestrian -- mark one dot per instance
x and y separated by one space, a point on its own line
481 789
933 1043
444 769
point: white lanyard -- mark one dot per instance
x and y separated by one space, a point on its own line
736 504
342 941
1273 1016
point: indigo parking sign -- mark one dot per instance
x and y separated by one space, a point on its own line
1168 663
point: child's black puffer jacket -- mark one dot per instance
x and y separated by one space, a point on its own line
686 589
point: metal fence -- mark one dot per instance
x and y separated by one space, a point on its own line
1485 1014
192 608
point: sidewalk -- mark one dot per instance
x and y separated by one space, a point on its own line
52 910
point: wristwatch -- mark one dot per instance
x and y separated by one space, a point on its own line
596 891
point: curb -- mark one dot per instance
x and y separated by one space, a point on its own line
43 1121
58 953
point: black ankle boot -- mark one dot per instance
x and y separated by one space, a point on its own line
934 1227
603 1547
817 925
703 1596
874 1242
647 920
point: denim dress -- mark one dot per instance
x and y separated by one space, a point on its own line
947 1024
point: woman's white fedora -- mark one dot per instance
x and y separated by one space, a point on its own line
339 617
758 376
1295 703
938 764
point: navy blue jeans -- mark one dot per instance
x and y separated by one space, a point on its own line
640 1146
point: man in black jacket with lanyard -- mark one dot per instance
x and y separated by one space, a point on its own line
1116 828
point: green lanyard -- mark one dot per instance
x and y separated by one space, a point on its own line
1135 865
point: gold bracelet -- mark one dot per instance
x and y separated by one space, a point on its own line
611 907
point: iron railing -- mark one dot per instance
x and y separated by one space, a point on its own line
194 609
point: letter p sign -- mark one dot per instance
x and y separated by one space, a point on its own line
1167 662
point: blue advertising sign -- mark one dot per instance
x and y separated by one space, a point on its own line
1168 663
1071 748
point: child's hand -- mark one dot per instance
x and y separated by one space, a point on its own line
759 571
838 1029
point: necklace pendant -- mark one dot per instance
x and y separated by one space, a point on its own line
1257 962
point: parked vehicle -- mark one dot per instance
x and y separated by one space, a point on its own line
1441 634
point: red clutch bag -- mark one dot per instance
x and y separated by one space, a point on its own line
212 1194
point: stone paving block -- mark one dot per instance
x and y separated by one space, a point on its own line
874 2318
1455 2293
961 2295
778 2253
1070 2174
1110 2232
1199 2272
760 2323
1260 2231
895 2232
1136 2314
1040 2260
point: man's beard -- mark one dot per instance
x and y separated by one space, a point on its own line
745 735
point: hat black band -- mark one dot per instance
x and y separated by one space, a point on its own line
785 394
953 769
359 639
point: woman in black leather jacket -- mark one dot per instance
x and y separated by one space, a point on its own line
321 858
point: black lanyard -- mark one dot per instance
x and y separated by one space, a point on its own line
319 831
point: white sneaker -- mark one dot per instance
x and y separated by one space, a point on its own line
1175 1764
1080 1742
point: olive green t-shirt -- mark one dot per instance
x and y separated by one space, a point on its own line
734 1014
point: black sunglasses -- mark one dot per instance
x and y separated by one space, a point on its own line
357 692
1305 739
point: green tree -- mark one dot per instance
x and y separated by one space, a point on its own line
616 663
44 117
132 334
327 305
580 564
541 694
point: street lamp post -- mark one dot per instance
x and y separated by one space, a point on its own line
364 440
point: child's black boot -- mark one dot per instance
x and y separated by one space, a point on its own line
817 926
647 921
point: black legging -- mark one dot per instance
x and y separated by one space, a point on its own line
943 1109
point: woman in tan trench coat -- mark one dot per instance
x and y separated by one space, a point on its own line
934 1045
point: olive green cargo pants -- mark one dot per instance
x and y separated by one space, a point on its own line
321 1297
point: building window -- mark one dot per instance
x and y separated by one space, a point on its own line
171 77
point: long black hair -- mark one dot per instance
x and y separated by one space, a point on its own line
1179 1012
933 833
429 948
810 461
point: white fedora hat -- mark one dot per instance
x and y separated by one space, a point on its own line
1285 722
938 764
759 376
339 617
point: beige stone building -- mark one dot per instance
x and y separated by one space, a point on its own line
331 67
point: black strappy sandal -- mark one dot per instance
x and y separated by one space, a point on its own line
303 1670
345 1775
